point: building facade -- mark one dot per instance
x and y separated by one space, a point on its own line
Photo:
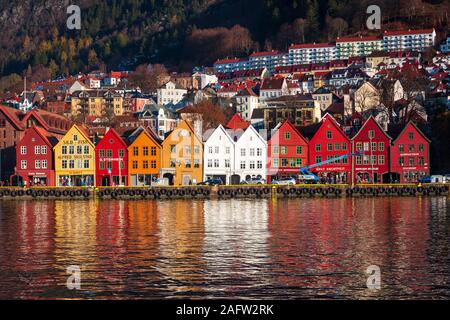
111 161
372 166
410 155
144 158
75 159
182 156
287 152
34 159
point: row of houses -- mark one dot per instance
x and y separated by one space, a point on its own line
233 153
342 48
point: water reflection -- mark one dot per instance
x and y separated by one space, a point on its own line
306 248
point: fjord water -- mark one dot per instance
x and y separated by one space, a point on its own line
280 249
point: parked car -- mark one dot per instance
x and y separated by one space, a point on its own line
211 182
433 179
284 182
254 181
447 178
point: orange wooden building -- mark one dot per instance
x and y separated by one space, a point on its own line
182 157
144 157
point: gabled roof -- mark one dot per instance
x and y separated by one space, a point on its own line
411 123
236 122
371 119
115 134
142 130
50 140
287 123
13 115
273 84
408 32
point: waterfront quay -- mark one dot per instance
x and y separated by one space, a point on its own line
227 192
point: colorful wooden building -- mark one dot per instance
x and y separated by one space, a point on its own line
75 159
410 155
144 157
372 166
34 159
330 142
111 160
182 156
287 152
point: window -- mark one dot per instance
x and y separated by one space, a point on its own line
187 150
318 159
252 165
252 152
188 163
153 164
374 146
86 164
401 161
75 137
37 164
210 163
64 164
411 161
153 151
401 148
358 160
86 149
275 163
145 164
135 151
79 149
173 163
37 149
366 159
23 164
344 146
196 163
216 163
411 136
23 150
421 161
242 164
366 146
421 147
283 150
135 164
287 136
145 151
381 146
298 163
259 164
371 134
43 149
121 153
337 147
71 149
242 152
329 135
71 164
44 164
411 148
227 150
329 147
101 165
318 148
227 163
299 149
374 159
216 150
79 164
109 153
275 149
381 160
196 150
173 148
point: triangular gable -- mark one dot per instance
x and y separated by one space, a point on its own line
141 130
236 122
417 129
221 128
329 117
116 135
289 124
189 128
5 111
36 116
251 128
371 118
83 133
41 134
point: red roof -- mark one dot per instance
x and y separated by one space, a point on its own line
236 122
225 61
310 46
407 32
358 39
266 53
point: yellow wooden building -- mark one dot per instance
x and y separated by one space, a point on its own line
97 103
182 156
75 159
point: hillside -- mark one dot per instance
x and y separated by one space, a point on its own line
180 33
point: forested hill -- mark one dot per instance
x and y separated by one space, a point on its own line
181 33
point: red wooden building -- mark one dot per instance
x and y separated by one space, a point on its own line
374 143
329 142
111 160
410 155
34 159
287 152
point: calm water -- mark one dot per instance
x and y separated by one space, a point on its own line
307 248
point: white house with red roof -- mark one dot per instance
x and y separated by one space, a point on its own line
246 102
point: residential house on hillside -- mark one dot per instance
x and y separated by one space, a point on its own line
246 102
273 88
170 93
